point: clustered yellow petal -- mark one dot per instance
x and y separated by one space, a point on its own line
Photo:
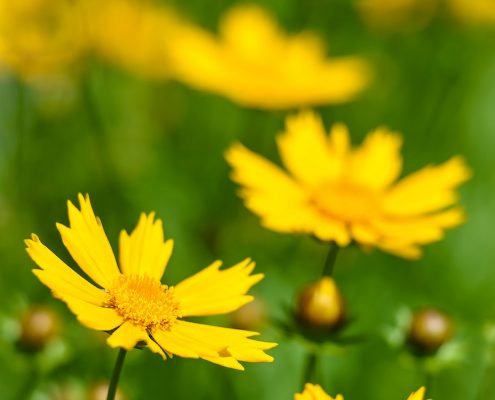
315 392
254 63
344 194
129 301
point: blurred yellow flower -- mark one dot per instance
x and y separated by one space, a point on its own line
475 12
134 305
315 392
341 194
40 37
400 15
132 34
254 63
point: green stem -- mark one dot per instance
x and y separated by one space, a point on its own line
310 368
328 267
112 389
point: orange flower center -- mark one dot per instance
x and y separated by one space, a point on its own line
345 202
144 302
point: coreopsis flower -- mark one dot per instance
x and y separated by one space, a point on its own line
402 15
131 34
473 12
343 194
129 300
315 392
40 37
254 63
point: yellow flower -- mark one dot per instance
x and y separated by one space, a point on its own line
130 301
132 34
418 395
475 12
402 15
341 194
40 37
314 392
254 63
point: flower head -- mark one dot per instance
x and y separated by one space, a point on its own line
315 392
341 194
40 37
131 34
473 12
254 63
129 300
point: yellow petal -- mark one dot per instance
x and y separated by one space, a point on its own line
303 148
224 341
213 291
173 345
377 163
94 317
127 336
314 392
430 189
61 279
144 251
418 395
87 243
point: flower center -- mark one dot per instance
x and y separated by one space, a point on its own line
345 202
144 302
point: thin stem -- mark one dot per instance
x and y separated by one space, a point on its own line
112 389
333 251
310 368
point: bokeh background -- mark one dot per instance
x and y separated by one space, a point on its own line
138 141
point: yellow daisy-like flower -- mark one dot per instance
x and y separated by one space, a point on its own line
341 194
254 63
129 299
40 37
315 392
131 34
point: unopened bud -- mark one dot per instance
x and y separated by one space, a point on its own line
99 391
39 326
320 305
251 316
430 329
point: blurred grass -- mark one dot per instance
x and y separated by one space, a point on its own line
137 145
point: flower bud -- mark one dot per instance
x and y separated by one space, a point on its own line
250 317
99 391
430 329
320 305
39 325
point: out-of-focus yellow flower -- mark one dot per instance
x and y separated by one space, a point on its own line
132 34
403 15
40 37
254 63
341 194
133 304
315 392
475 12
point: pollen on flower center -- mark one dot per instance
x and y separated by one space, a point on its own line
345 202
144 302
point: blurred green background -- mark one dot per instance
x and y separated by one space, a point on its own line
139 145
